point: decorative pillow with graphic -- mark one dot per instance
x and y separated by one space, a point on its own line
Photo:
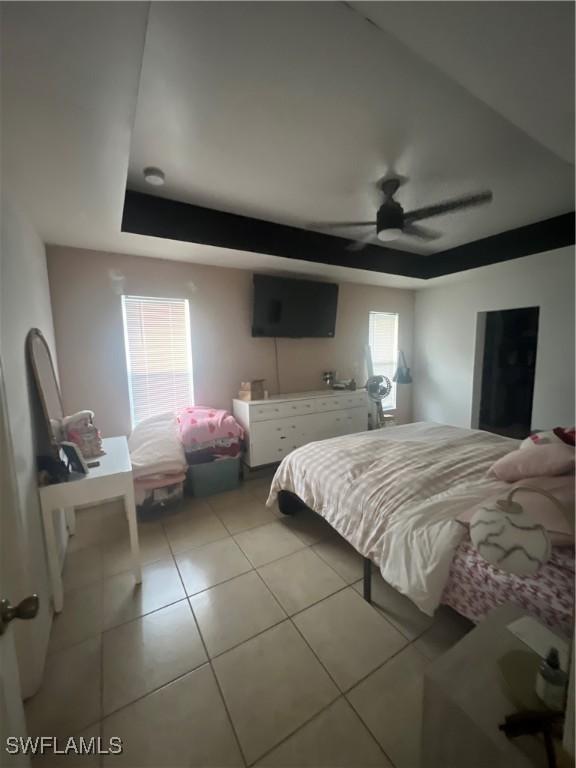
558 524
567 436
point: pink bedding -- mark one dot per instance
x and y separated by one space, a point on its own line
475 587
199 426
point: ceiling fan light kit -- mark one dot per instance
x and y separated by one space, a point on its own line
389 221
389 234
392 221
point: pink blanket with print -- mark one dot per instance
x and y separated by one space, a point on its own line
200 424
475 587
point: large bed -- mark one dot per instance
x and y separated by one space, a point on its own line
396 495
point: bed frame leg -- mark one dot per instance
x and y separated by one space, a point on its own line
367 580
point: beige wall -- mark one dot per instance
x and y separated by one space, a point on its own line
90 344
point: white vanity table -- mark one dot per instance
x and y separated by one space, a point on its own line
111 479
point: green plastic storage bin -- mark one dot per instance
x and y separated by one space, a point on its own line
213 477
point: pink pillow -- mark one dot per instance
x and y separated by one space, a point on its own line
557 435
548 460
560 526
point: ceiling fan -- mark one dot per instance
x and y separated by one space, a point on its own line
392 221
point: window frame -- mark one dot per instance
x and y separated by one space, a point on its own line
391 402
188 334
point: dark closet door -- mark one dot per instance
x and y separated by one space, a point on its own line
508 368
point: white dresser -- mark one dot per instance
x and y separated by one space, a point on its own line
276 426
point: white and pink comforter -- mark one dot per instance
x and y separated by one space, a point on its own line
395 495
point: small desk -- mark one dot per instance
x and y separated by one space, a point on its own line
111 479
466 698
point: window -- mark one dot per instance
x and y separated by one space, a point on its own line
383 340
158 355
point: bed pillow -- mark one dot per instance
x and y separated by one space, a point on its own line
560 527
547 461
558 435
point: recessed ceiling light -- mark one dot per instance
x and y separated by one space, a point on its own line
154 176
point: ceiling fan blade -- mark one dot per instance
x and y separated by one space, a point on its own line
424 233
343 224
458 204
359 245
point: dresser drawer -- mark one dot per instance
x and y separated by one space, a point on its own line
272 440
340 402
328 404
295 430
265 453
299 407
353 400
268 411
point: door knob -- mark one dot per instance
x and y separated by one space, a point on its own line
26 609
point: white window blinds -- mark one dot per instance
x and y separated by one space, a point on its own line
383 340
158 355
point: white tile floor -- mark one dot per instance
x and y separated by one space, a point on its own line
248 643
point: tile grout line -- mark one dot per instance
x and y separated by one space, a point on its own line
299 728
365 724
287 618
214 675
341 694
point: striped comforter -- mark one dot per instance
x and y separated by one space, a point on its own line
395 494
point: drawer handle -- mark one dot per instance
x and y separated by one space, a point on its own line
283 437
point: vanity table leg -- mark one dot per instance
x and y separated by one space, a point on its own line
130 508
53 560
70 513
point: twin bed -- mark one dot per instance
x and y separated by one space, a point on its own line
402 498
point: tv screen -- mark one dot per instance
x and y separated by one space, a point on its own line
293 308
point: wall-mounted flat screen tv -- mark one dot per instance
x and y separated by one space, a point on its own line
293 308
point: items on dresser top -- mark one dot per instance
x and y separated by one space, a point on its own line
347 384
252 390
278 425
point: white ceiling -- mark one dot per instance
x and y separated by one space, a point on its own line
288 111
518 59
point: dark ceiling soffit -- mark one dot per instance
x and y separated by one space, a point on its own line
159 217
547 235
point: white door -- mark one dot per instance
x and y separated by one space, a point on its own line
12 721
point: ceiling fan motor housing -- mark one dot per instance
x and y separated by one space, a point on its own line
389 216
